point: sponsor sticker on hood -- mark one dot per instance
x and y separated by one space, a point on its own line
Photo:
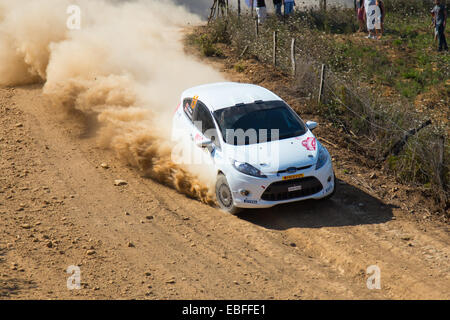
309 143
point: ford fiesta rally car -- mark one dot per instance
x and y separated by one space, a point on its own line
261 150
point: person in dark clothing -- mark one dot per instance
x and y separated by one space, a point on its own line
277 5
380 5
288 7
261 10
440 20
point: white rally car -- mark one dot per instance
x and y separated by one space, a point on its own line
261 151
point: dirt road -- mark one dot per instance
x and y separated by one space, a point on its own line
60 207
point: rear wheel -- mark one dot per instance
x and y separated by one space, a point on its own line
224 196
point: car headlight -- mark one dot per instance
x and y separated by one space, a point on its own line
246 168
322 158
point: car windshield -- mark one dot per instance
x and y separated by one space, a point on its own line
259 121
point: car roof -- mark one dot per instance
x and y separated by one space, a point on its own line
227 94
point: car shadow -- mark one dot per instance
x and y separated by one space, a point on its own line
349 206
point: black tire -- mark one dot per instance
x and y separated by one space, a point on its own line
334 190
224 196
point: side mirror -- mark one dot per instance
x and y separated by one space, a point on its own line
203 143
311 125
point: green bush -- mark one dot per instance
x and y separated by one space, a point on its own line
409 7
339 22
239 67
220 32
206 45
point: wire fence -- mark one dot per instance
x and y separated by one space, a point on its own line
289 60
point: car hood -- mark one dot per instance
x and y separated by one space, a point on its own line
273 156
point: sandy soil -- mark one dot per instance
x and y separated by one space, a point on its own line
60 207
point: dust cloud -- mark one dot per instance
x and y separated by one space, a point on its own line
125 65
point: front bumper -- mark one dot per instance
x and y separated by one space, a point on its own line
257 187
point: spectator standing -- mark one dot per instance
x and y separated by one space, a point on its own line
277 5
261 10
288 7
440 20
371 17
433 25
361 14
379 26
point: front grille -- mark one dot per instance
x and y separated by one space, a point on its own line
279 190
297 169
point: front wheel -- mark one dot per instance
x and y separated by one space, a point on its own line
224 196
334 190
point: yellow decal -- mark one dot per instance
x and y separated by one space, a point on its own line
295 176
194 102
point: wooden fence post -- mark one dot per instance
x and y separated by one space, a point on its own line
293 62
322 80
275 48
243 52
440 170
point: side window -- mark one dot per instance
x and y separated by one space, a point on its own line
187 107
204 122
